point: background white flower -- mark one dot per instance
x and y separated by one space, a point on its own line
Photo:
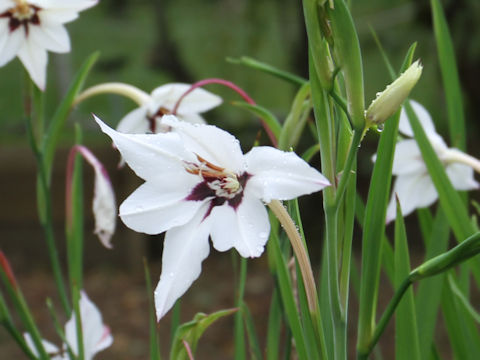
28 28
413 185
147 118
199 184
96 335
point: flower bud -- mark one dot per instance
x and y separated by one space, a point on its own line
388 101
460 253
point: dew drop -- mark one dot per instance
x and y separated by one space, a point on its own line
171 274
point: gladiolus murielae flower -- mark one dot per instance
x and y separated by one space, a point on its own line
199 184
388 101
96 336
28 28
148 117
104 204
413 185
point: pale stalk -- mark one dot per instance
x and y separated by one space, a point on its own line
126 90
300 253
454 155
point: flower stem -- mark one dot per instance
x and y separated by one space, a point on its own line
300 253
235 88
129 91
455 155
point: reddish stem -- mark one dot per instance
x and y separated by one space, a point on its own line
235 88
5 265
188 349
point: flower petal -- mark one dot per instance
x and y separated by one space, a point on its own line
49 347
184 250
246 228
199 100
135 122
53 37
154 208
415 190
71 5
192 118
12 44
34 58
211 143
95 338
104 207
423 116
151 156
461 176
281 175
407 158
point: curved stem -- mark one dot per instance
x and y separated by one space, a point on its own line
235 88
300 253
126 90
455 155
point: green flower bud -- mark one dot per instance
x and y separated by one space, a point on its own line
388 101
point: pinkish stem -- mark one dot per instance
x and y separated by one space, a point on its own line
5 265
235 88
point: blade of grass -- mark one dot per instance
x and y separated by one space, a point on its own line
153 337
255 352
451 82
239 331
406 337
274 328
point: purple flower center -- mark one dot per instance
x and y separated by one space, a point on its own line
22 15
220 185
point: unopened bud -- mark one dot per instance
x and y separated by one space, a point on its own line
389 101
460 253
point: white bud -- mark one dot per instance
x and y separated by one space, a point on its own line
389 101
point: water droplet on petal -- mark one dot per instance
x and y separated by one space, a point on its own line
171 274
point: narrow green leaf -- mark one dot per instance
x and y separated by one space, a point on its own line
153 337
239 332
59 118
429 291
451 82
255 352
287 296
270 119
274 327
462 299
192 331
406 336
268 69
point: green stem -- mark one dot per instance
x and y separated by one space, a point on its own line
46 220
352 155
380 328
239 329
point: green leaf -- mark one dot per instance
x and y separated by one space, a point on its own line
451 82
274 327
255 352
239 332
462 299
430 290
406 336
153 336
265 114
59 118
192 331
268 69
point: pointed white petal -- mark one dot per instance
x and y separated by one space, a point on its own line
461 176
423 116
192 118
281 175
34 58
407 158
12 44
151 156
414 191
154 208
5 5
95 337
211 143
104 208
199 100
47 345
184 250
71 5
135 122
53 37
246 229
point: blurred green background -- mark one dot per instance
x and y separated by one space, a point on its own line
148 43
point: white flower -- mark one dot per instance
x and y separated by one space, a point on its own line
147 118
104 204
28 28
199 184
413 185
96 335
